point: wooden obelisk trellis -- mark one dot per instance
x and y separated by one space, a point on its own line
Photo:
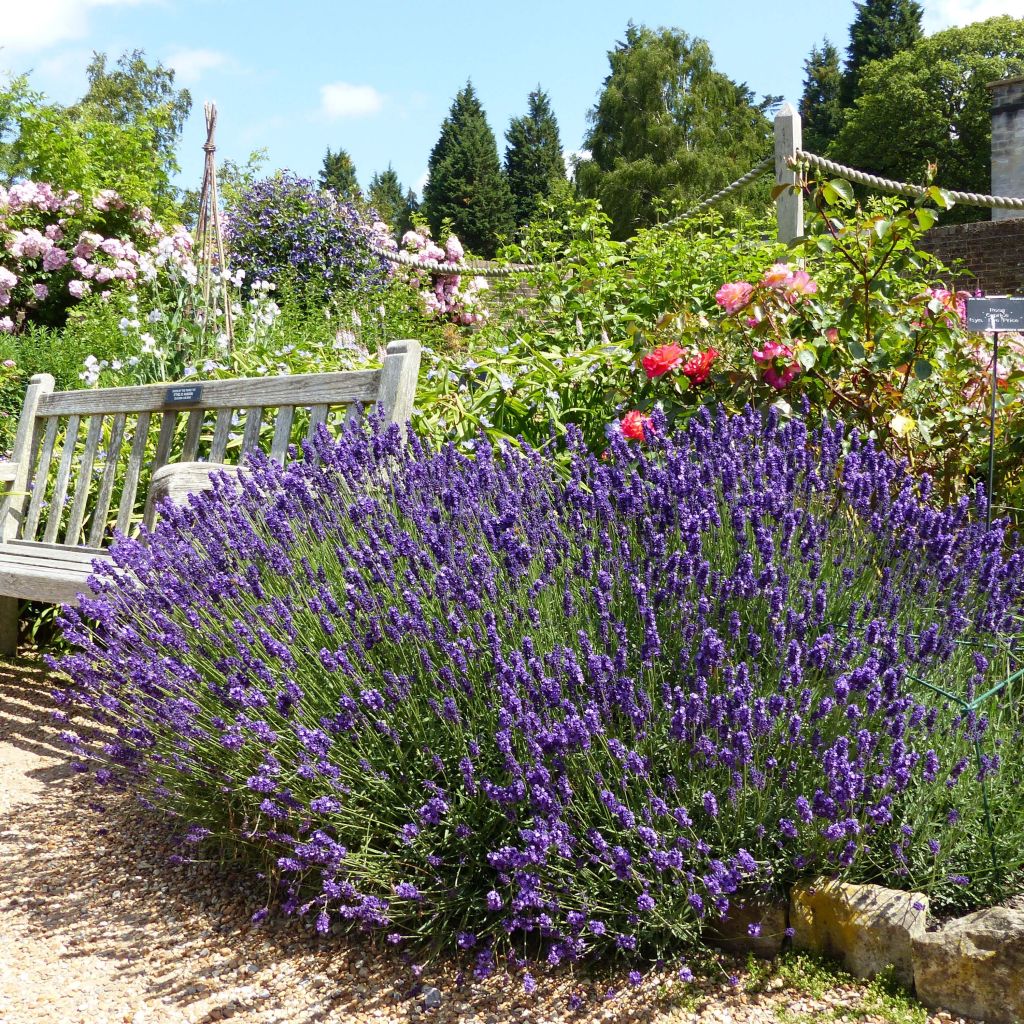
209 248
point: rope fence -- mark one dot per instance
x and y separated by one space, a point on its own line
902 187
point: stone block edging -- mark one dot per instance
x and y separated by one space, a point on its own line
972 966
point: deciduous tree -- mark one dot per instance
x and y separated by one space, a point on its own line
667 126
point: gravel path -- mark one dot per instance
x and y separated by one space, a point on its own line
97 928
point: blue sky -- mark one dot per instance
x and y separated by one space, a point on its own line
378 76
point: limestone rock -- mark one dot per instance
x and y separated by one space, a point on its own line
866 927
974 966
733 933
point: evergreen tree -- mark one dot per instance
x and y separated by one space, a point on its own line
821 108
533 158
880 30
466 185
668 126
395 207
339 175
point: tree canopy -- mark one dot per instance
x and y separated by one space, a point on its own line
880 30
394 206
667 126
121 135
466 186
338 173
930 103
533 158
821 108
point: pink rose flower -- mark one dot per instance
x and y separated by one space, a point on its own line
777 275
733 296
40 291
78 288
7 279
800 283
6 327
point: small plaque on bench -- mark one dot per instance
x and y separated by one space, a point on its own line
184 394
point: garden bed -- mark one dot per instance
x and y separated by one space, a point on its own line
99 928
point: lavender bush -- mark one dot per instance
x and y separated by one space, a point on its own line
287 229
476 700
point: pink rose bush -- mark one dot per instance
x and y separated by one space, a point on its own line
453 297
56 248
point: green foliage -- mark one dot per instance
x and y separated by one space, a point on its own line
667 127
133 93
338 174
821 108
121 135
881 29
533 157
930 103
467 189
395 207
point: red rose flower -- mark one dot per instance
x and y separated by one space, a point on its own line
633 423
661 360
699 366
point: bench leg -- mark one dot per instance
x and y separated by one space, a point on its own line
9 626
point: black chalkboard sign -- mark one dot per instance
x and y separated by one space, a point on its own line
995 314
184 394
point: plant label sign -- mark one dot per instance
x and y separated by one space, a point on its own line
184 394
995 314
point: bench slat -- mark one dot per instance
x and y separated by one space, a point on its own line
219 445
131 477
282 433
339 388
192 432
168 423
253 422
38 479
60 486
84 482
317 415
102 507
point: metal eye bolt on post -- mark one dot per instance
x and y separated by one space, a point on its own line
994 314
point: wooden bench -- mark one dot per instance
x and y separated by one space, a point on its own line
78 455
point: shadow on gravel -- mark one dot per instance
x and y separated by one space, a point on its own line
99 884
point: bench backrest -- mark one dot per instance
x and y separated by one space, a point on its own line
81 454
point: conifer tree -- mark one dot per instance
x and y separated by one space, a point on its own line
821 108
880 30
339 175
533 158
466 185
393 206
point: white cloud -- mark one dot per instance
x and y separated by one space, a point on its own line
342 99
29 27
190 65
940 14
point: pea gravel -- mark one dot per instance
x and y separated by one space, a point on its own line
97 927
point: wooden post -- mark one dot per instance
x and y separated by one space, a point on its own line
12 507
398 380
790 203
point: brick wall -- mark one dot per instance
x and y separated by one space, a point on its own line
993 250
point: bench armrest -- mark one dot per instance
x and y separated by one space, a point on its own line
8 471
